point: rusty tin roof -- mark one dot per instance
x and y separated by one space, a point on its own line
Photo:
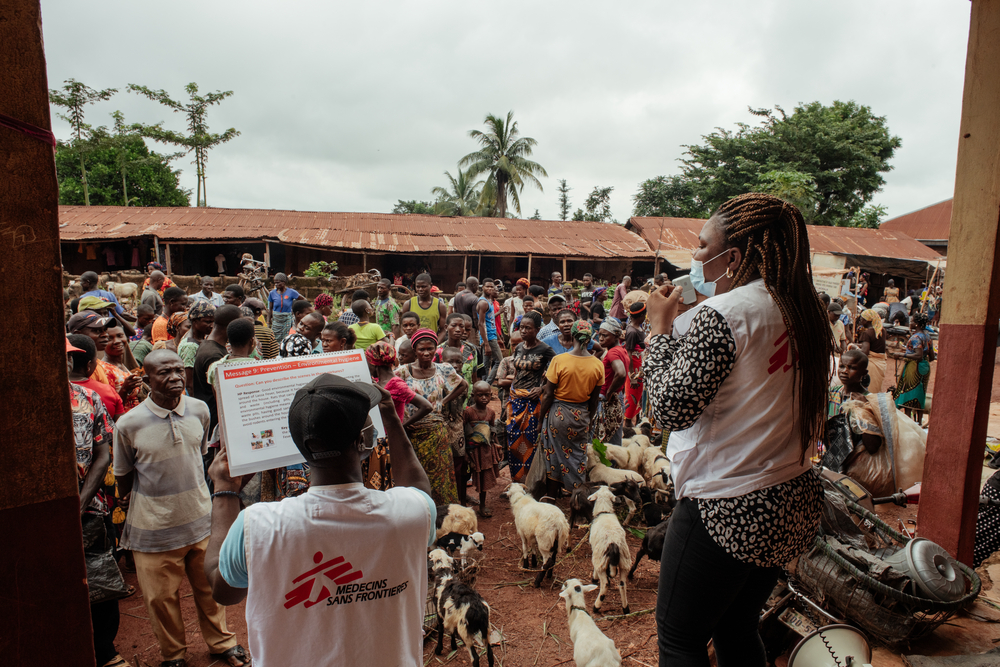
932 223
373 232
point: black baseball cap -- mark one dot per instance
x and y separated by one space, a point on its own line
332 410
86 318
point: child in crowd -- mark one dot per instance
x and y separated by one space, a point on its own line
408 323
481 447
366 331
404 352
452 413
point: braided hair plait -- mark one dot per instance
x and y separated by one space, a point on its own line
772 236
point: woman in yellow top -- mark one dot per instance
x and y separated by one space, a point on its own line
891 293
573 384
367 332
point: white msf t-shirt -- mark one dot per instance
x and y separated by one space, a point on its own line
336 576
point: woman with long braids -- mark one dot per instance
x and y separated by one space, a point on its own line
871 341
742 386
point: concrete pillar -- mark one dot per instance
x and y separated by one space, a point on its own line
45 614
953 468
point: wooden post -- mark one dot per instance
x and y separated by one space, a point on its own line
169 270
45 610
479 269
364 264
465 263
564 276
156 249
529 269
954 465
267 255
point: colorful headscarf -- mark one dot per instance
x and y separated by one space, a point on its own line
524 282
599 293
612 325
421 334
201 309
581 331
874 318
155 266
323 300
381 353
174 322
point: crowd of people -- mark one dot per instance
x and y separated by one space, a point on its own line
564 363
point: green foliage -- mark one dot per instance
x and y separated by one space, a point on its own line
579 214
602 451
598 205
842 150
563 191
321 270
461 197
503 156
74 99
536 216
413 206
122 171
869 217
198 140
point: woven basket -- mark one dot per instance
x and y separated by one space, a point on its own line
888 615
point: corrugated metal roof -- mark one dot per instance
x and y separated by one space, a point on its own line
932 223
375 232
683 232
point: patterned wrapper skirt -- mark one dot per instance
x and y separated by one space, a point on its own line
524 421
376 470
911 390
565 434
610 416
281 324
430 440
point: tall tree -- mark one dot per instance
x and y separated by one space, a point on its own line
841 151
198 140
413 206
598 205
503 155
147 179
563 191
74 99
536 216
461 197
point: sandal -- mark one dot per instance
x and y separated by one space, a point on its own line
130 593
485 512
117 661
237 652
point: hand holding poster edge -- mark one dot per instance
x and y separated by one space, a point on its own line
253 399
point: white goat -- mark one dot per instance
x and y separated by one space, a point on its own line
591 647
628 456
461 610
454 518
610 554
656 469
598 472
542 527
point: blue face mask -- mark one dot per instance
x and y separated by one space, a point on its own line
697 276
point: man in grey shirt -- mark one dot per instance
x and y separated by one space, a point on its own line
151 295
158 449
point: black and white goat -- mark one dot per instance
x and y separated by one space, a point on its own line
463 544
461 611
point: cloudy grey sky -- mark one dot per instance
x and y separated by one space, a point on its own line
351 106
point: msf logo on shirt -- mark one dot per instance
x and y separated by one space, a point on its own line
782 358
336 569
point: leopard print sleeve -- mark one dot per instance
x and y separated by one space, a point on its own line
684 375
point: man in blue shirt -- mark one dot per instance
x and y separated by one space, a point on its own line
207 293
328 546
88 282
279 306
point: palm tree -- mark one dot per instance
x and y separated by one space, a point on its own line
461 197
504 156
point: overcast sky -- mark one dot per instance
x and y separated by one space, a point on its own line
351 106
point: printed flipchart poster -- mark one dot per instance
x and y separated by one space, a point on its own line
254 397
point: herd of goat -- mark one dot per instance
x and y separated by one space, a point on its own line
638 481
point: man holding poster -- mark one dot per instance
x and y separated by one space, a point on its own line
328 566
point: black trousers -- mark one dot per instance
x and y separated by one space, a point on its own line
105 618
705 594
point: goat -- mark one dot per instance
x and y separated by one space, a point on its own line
591 647
654 511
609 550
542 528
464 544
652 545
655 469
580 506
628 456
460 609
598 472
454 518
